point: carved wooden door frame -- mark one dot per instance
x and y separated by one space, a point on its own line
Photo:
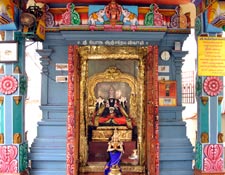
151 105
152 122
72 142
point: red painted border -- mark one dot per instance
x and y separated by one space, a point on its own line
133 2
70 118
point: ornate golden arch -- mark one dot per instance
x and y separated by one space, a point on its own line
112 74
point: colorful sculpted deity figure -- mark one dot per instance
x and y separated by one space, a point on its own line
115 150
113 11
113 111
6 12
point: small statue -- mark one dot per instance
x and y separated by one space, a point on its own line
115 149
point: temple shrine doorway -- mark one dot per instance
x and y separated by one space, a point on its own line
98 77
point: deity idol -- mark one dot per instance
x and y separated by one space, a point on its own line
112 112
113 11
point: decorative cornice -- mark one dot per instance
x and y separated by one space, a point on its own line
179 54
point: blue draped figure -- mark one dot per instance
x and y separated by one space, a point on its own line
115 149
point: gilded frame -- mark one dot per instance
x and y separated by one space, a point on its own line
112 74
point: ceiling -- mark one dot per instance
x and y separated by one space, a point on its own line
131 2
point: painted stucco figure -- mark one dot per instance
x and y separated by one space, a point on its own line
113 11
6 12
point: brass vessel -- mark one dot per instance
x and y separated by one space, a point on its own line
115 170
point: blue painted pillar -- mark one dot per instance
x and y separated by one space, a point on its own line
178 63
13 85
209 94
209 145
45 62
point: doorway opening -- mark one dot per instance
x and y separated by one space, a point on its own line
105 76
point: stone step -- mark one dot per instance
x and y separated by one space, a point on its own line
47 156
176 156
49 142
176 149
48 149
54 171
175 172
48 165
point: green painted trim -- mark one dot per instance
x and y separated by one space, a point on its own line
198 156
204 118
219 116
17 117
23 157
2 127
21 51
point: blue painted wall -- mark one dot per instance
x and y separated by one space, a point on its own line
48 150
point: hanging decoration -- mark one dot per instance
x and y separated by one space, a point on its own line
33 23
213 86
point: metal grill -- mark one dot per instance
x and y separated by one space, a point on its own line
188 87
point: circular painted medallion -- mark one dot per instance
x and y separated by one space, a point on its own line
8 84
213 86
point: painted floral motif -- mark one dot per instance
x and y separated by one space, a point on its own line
198 86
67 15
198 156
8 84
23 158
23 85
153 17
49 20
70 118
213 160
179 20
8 161
70 16
198 26
213 86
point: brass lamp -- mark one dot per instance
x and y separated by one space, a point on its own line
27 20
